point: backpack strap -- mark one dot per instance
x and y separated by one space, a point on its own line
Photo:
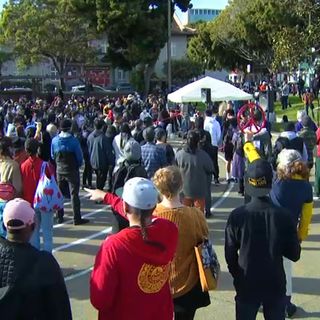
43 168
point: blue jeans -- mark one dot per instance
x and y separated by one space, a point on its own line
44 222
273 309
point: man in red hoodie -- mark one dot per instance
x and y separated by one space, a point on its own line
30 173
131 271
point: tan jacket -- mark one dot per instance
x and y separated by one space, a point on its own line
193 228
10 172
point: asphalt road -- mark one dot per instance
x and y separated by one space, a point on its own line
75 248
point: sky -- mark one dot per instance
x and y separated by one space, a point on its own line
206 4
203 4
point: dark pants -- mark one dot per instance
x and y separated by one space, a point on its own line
73 180
188 315
284 102
241 185
317 178
307 106
101 178
215 163
87 174
273 309
208 195
109 178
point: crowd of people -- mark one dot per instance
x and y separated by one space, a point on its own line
160 198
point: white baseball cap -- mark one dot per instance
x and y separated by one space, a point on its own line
140 193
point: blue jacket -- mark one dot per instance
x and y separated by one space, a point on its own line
66 151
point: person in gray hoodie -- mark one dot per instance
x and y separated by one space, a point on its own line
195 165
101 153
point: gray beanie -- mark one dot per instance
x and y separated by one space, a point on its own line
132 151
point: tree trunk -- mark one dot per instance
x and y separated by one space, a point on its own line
148 70
62 83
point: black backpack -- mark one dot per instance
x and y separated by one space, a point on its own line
126 172
285 143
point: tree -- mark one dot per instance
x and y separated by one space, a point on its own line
136 31
184 70
270 33
4 57
46 29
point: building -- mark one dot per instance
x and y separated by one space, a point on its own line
102 73
195 15
179 41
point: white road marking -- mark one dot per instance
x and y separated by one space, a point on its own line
82 197
87 215
78 274
223 197
79 241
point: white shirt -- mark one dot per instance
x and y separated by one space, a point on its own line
213 127
144 114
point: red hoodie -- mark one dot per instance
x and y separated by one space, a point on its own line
30 174
130 275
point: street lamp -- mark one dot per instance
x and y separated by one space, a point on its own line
169 47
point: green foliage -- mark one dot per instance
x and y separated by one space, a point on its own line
270 33
51 29
4 57
137 30
183 70
136 78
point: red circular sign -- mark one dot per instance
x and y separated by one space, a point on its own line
251 116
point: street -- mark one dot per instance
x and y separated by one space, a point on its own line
76 247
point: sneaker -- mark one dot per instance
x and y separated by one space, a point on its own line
81 221
291 309
216 181
209 215
60 220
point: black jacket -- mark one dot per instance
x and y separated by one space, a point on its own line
257 236
101 151
42 291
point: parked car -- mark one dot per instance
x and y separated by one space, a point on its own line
124 87
95 88
17 89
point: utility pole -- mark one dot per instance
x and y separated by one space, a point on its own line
169 47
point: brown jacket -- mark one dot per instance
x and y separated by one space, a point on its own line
193 228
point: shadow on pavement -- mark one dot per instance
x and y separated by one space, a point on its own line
310 286
302 314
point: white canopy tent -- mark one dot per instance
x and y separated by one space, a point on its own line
220 91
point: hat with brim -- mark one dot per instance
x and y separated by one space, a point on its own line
258 179
130 97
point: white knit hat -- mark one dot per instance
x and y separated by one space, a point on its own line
288 156
140 193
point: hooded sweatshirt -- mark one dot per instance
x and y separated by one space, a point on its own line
130 275
100 150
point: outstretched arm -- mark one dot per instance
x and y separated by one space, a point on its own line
108 198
